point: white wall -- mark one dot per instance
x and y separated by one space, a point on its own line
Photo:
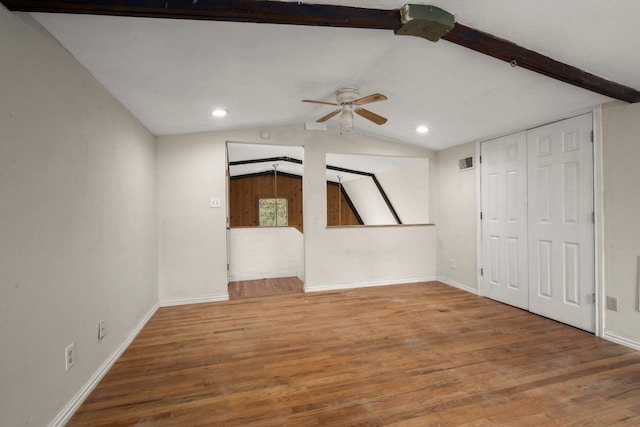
354 256
192 235
361 255
456 217
621 175
77 224
262 252
368 201
408 190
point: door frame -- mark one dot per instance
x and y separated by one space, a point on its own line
597 207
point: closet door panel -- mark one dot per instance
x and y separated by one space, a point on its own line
504 219
560 222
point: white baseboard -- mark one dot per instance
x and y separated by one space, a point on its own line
458 285
72 406
621 339
342 286
261 276
196 300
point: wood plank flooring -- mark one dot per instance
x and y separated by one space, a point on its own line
409 355
264 287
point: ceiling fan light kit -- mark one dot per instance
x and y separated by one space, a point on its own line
428 22
346 118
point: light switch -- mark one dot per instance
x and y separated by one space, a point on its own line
215 202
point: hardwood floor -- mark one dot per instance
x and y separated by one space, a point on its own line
409 355
264 287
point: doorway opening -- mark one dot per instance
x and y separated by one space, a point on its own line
265 219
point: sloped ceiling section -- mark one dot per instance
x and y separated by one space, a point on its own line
170 73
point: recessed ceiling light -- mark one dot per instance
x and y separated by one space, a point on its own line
422 129
219 112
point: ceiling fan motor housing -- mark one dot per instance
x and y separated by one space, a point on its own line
428 22
346 95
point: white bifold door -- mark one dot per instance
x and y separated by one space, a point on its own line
504 220
537 221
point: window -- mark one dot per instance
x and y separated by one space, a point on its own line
272 212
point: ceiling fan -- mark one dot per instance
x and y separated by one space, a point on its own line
349 103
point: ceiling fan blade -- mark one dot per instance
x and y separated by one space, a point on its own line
328 116
319 102
376 97
379 120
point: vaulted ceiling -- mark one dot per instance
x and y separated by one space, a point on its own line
171 73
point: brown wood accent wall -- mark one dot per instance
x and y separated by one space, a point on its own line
348 215
244 193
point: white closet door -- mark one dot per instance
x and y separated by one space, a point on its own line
560 222
504 219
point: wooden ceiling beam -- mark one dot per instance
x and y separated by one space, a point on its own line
266 12
519 56
293 13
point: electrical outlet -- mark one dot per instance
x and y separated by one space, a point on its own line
69 356
100 329
612 303
453 263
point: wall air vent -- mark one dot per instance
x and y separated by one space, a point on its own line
466 163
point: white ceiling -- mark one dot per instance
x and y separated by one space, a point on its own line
238 152
372 164
364 163
172 73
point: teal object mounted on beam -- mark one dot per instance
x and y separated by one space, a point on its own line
428 22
